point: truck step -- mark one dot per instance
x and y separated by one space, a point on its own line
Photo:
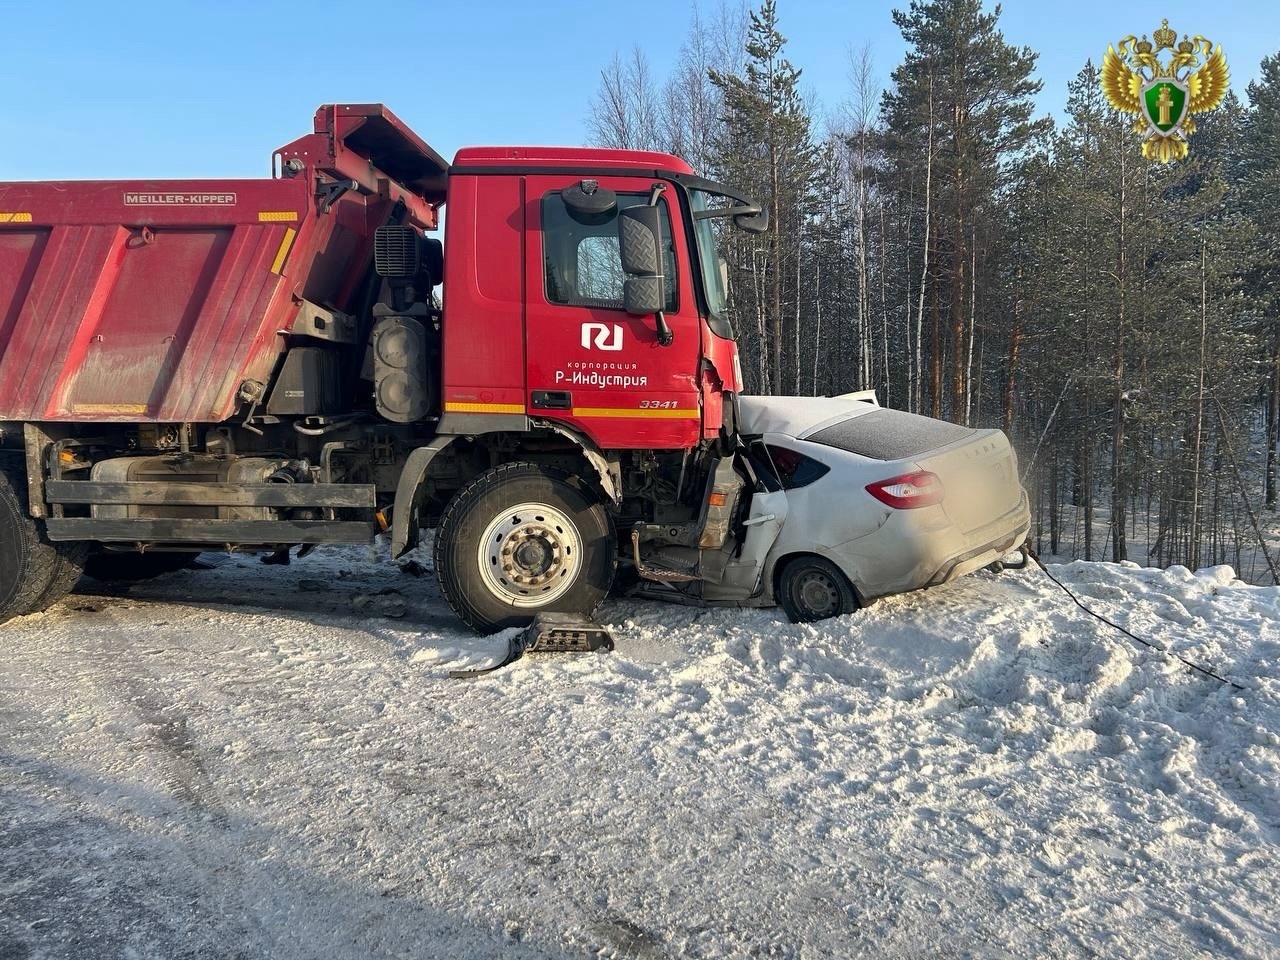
215 533
549 633
565 633
660 574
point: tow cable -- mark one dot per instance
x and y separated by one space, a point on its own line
1027 551
549 633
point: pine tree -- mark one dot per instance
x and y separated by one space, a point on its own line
981 91
768 147
1258 173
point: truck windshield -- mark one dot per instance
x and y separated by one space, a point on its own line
713 280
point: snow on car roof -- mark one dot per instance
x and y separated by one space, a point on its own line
889 434
795 416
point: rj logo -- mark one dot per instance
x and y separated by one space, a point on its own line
602 336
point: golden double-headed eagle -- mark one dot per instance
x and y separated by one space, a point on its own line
1164 95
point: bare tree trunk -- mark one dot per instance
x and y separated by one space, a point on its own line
913 343
775 273
864 104
762 359
1119 549
1193 547
1084 485
935 347
976 386
959 264
1085 496
817 333
973 323
1015 347
1055 516
924 270
1273 420
864 294
795 381
884 308
860 261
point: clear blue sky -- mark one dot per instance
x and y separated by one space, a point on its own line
145 89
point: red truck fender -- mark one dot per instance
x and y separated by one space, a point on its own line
404 520
607 476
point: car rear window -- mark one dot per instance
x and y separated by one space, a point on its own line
890 434
794 469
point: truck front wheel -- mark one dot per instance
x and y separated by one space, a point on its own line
522 538
34 573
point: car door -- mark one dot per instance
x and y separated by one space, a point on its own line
763 524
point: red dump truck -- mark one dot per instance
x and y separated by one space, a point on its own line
254 365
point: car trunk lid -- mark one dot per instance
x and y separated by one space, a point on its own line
979 479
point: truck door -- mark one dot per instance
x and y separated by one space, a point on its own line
590 363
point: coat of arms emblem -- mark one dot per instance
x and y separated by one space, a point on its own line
1164 95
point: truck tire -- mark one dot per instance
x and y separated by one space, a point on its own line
34 573
522 538
812 588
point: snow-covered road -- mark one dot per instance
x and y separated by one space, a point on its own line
250 762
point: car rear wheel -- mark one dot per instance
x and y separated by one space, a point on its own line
522 538
812 588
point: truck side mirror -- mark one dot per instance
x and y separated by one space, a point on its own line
588 202
644 292
643 296
756 221
638 232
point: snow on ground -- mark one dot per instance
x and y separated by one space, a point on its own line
235 763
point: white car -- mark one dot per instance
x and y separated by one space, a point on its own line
853 501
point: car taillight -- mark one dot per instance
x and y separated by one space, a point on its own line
910 490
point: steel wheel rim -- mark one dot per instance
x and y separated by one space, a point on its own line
529 555
817 594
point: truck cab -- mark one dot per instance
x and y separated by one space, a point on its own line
534 250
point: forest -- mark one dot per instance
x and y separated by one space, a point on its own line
939 242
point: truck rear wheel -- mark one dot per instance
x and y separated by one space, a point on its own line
522 538
34 573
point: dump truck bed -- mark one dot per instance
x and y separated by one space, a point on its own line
159 301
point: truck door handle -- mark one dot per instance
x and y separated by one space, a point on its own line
553 399
755 521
